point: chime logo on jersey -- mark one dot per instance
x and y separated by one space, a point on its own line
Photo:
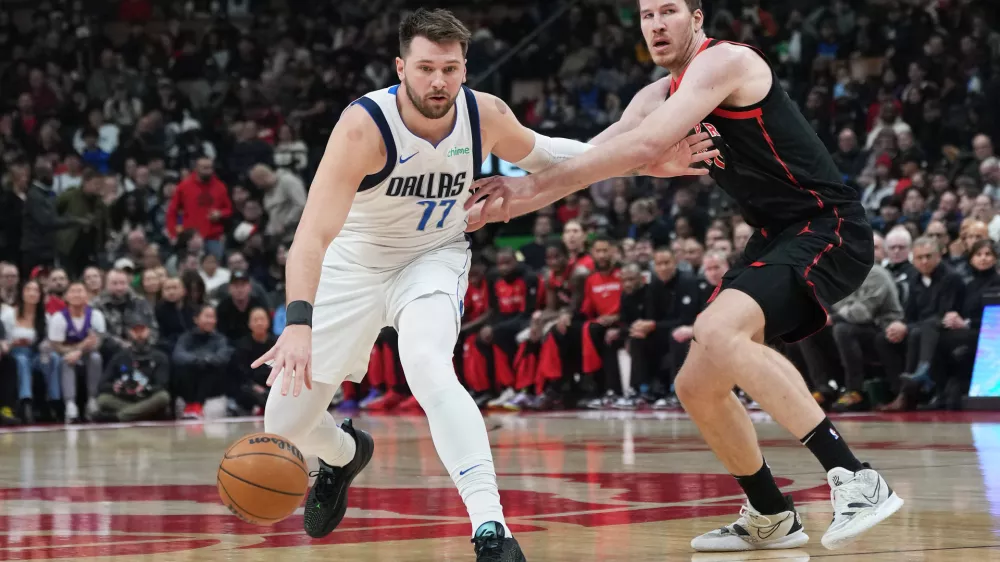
718 162
427 186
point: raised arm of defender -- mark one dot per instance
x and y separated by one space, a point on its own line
658 146
355 150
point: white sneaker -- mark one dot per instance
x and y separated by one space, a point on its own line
753 531
72 412
861 500
92 407
507 395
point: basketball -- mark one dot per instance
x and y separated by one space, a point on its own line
262 478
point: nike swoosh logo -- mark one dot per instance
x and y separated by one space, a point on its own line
765 532
405 160
462 473
874 497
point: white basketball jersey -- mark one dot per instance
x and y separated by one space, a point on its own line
416 203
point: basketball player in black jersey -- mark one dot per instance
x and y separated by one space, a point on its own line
812 247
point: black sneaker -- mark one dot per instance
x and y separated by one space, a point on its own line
493 546
327 501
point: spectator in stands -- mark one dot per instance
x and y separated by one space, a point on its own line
42 221
199 362
534 251
713 267
81 244
513 298
291 153
248 387
135 382
634 312
93 281
907 346
213 275
646 223
115 304
741 235
151 286
25 332
857 320
601 381
898 245
956 350
204 202
850 159
234 309
9 281
76 333
56 284
174 314
13 201
675 301
284 198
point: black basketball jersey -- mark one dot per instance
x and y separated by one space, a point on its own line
772 162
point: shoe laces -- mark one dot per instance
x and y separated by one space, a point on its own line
326 478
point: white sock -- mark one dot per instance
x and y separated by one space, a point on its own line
427 335
304 421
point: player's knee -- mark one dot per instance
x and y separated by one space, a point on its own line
715 335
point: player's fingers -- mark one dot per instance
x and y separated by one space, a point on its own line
703 145
307 378
697 137
263 358
276 368
297 383
288 373
505 204
697 172
705 156
482 190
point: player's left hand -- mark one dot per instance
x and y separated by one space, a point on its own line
681 158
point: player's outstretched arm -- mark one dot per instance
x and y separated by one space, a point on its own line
660 145
355 149
642 104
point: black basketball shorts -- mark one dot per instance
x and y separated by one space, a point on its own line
799 272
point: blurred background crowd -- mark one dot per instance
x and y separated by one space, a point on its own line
155 158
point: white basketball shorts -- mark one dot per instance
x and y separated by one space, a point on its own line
354 303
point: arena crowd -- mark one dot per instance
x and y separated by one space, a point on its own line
156 156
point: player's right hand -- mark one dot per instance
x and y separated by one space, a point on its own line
291 355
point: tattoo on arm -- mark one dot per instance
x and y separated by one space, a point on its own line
501 107
634 172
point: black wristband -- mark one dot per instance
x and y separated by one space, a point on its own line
298 313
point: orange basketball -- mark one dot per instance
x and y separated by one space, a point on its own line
263 478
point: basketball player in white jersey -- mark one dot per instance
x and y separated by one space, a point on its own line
382 242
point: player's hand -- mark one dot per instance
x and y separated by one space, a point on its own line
680 159
492 196
291 355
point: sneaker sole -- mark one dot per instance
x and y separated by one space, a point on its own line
891 505
366 447
794 540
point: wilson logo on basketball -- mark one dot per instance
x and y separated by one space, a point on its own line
141 520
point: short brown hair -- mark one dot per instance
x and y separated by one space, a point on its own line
693 5
438 26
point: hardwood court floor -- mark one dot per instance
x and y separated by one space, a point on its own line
576 487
